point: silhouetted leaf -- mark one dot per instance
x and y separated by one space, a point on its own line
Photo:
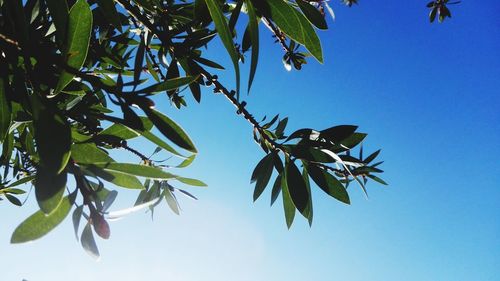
261 174
5 111
288 205
76 217
171 201
253 29
297 187
312 14
329 184
168 85
170 129
59 11
338 133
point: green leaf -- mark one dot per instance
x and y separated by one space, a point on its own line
377 179
170 129
308 212
49 189
39 224
135 170
296 26
139 59
353 140
52 135
76 217
88 242
13 199
276 189
171 201
117 178
371 157
21 181
189 181
261 174
5 111
329 184
77 41
186 161
159 142
312 14
253 29
225 35
120 131
109 10
59 11
338 133
88 153
297 187
169 84
288 205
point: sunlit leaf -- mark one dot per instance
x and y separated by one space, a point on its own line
134 170
39 224
225 35
77 41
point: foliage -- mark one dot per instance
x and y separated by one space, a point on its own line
78 80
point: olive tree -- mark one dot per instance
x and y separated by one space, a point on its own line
78 79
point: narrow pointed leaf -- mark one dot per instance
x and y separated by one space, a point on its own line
329 184
135 170
88 153
296 26
297 187
88 242
59 11
225 35
117 178
170 84
172 201
170 129
109 9
288 205
261 174
312 14
77 41
253 28
276 189
5 111
76 217
189 181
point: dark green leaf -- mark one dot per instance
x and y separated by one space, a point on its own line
288 205
49 189
169 84
308 212
253 28
59 11
109 9
39 224
5 111
156 140
296 26
170 129
338 133
77 41
261 174
329 184
139 59
353 140
276 189
377 179
225 35
13 199
53 136
297 187
432 14
312 14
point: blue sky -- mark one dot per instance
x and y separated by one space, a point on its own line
428 95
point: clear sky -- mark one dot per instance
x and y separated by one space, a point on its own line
428 95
